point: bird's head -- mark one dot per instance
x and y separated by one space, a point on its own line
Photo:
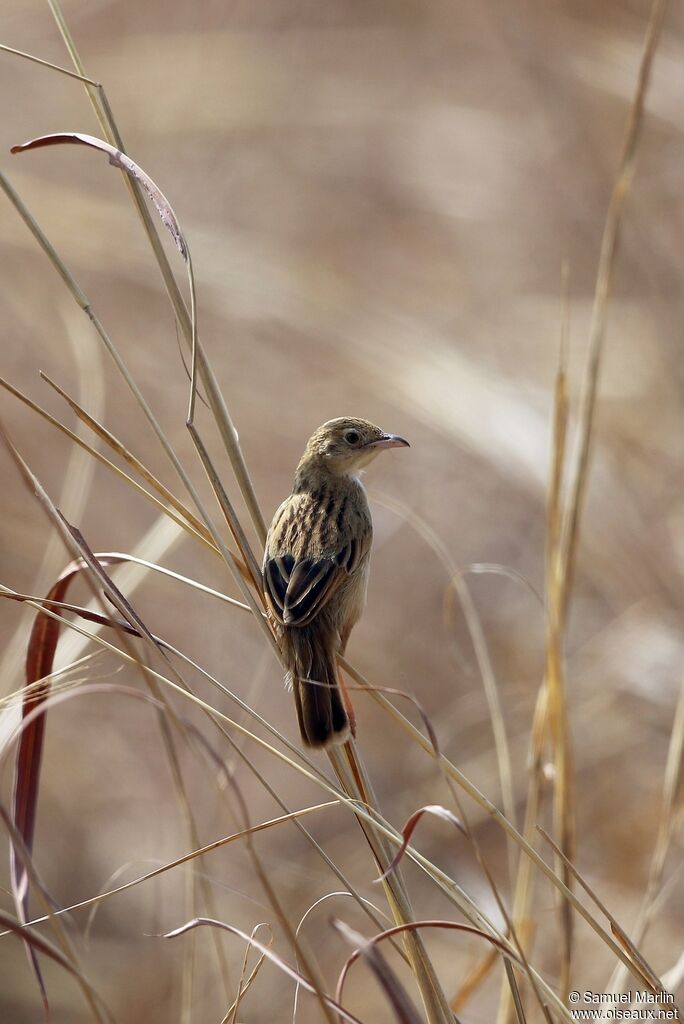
347 444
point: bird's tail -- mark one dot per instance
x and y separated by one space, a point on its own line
323 719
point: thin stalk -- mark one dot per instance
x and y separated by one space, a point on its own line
213 392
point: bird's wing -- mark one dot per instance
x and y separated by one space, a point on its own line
298 588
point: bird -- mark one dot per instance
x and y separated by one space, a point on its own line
315 570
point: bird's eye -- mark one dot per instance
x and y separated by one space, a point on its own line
352 437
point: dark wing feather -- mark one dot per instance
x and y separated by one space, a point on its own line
276 577
298 590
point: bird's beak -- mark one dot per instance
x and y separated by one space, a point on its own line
389 441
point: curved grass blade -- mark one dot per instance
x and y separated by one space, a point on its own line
39 664
118 159
403 1009
286 968
244 984
408 830
417 926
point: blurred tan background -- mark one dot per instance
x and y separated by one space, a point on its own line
379 197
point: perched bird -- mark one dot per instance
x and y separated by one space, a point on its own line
315 569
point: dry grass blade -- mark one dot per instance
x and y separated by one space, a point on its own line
674 771
119 159
314 906
447 886
112 557
82 300
40 659
124 163
449 816
243 982
497 569
186 858
309 963
409 828
355 783
486 804
286 968
478 640
671 785
162 706
402 1008
473 981
249 565
77 544
515 994
67 949
564 527
50 65
458 584
33 692
413 926
125 453
525 878
511 930
556 706
76 486
41 945
597 329
186 322
186 520
650 978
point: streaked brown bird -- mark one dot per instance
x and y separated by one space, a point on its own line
316 569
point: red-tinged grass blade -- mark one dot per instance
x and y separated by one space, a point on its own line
397 996
110 589
52 916
77 609
410 927
40 945
39 664
447 815
124 163
407 831
365 687
286 968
